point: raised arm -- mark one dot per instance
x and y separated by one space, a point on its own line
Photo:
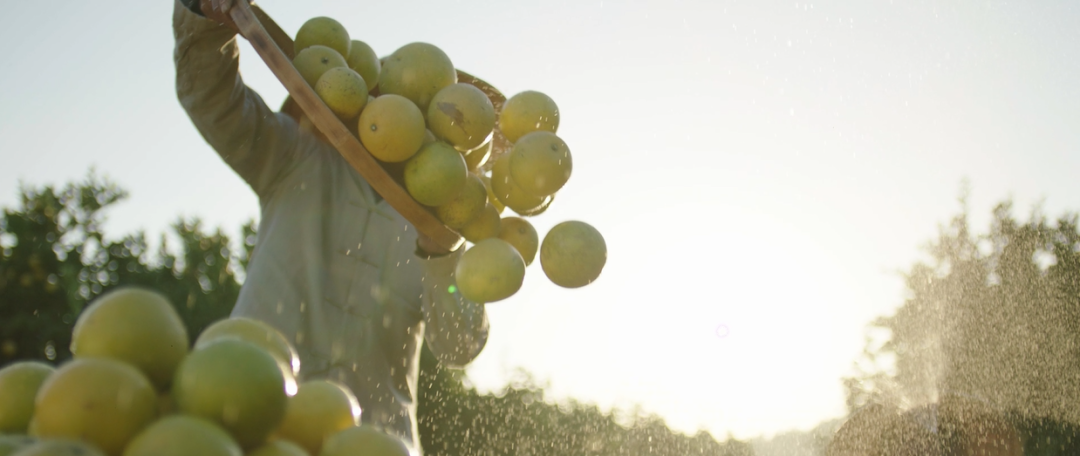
258 143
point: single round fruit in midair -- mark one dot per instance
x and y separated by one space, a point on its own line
280 448
19 383
483 226
466 206
540 163
256 332
235 384
363 440
183 435
573 254
344 92
527 112
322 31
461 115
436 174
520 234
98 400
313 61
362 59
134 325
508 191
319 409
59 447
417 71
490 271
391 128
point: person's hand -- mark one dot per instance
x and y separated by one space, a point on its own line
218 11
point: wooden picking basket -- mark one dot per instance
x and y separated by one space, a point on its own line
276 49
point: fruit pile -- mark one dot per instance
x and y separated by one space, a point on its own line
435 135
134 388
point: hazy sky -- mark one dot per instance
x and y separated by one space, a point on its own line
760 167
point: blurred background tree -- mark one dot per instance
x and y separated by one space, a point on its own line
993 316
55 259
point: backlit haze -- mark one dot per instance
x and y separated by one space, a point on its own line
761 170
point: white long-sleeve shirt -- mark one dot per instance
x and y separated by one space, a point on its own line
335 267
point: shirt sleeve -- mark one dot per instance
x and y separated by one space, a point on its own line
256 142
456 329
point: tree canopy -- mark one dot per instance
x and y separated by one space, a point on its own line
993 316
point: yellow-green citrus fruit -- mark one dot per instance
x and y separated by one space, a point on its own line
491 270
417 71
102 401
319 409
362 59
391 128
483 226
19 383
313 61
465 206
237 385
499 206
11 443
436 174
134 325
322 31
477 157
539 209
183 435
462 115
280 448
520 234
540 163
363 441
59 447
508 191
256 332
573 254
344 92
527 112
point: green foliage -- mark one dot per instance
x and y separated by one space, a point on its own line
994 316
56 260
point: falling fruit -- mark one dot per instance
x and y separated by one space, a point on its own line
490 271
573 254
527 112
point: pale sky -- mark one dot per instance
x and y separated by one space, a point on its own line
765 166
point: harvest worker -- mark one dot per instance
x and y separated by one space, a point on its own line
336 269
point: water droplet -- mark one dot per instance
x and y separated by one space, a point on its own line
50 350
